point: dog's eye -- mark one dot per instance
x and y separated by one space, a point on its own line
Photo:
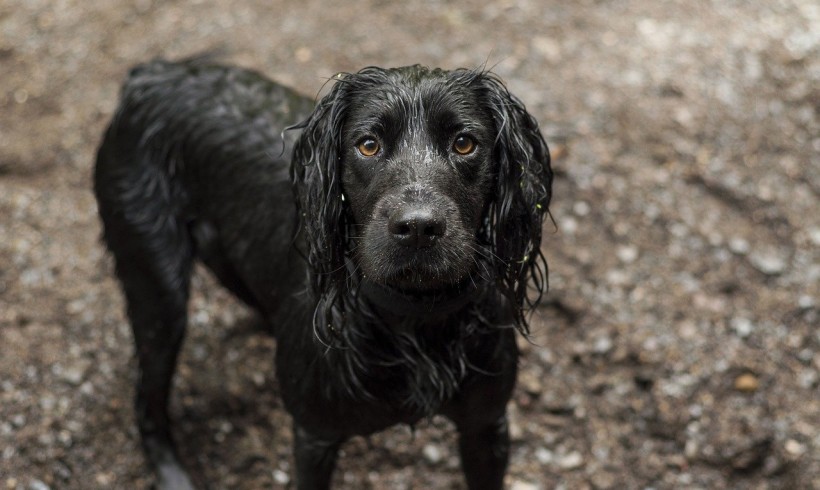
368 147
464 145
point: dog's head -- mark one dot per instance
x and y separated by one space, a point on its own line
424 180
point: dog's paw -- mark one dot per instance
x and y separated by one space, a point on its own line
173 477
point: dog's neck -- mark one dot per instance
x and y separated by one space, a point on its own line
421 346
420 307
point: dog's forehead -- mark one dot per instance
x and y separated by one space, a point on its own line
412 90
412 83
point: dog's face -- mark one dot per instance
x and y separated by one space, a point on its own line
417 171
422 178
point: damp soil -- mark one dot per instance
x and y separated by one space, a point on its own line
677 346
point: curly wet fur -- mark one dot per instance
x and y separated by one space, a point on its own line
512 226
219 164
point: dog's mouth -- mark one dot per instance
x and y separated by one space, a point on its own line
421 272
412 302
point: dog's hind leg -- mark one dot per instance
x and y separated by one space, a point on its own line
315 459
153 255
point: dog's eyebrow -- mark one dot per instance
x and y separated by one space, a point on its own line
367 125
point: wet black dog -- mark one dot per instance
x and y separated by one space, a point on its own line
389 235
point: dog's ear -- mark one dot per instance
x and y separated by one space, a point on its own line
316 178
522 196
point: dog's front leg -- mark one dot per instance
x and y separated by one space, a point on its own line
484 452
315 459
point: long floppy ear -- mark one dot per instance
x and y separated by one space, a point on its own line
316 179
522 196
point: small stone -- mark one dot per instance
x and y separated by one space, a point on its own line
794 448
11 483
103 479
627 254
604 480
602 345
768 263
544 455
74 373
814 235
739 245
691 449
432 454
516 431
569 225
523 485
38 485
571 461
281 477
581 208
21 96
742 326
617 277
747 383
75 307
530 383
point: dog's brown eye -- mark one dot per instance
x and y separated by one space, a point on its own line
368 147
464 145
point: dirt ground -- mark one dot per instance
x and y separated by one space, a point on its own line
678 346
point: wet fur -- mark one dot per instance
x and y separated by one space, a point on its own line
219 164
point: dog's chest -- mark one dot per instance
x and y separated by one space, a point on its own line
382 384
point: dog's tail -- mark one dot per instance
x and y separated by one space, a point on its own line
202 58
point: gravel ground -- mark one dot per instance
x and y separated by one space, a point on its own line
678 347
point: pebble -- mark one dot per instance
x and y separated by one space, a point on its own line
569 225
103 479
516 431
602 345
617 277
768 263
581 208
691 449
73 374
281 477
604 480
747 383
432 454
627 253
739 245
805 301
38 485
544 455
742 326
524 485
794 448
571 461
814 235
530 383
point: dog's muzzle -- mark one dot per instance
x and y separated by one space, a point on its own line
416 225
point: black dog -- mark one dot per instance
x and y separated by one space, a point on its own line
394 280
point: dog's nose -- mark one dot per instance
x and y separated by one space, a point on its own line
416 227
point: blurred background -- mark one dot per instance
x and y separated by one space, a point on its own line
677 348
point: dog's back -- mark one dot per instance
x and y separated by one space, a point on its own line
192 161
195 157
